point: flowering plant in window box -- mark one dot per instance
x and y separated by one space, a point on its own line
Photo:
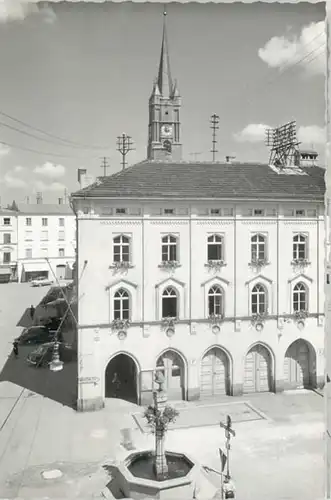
259 318
120 324
216 318
120 265
300 315
300 262
169 264
168 322
215 264
258 262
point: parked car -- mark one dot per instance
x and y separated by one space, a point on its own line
36 335
42 356
41 281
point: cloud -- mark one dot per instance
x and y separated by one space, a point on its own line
54 186
307 50
50 170
254 132
18 168
14 182
48 15
4 150
16 10
312 134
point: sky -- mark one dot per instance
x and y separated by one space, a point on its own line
76 75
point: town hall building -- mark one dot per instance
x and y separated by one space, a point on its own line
212 273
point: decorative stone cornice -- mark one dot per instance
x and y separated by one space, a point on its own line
172 222
218 222
254 222
299 222
120 222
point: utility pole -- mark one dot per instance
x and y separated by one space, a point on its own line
214 122
104 165
124 146
195 155
65 196
227 488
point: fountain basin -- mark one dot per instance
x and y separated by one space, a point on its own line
136 478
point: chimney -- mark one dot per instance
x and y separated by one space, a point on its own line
229 159
81 172
60 201
39 198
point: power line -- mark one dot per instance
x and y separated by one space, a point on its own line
124 146
214 120
44 153
195 155
68 141
104 165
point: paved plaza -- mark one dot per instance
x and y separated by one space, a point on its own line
47 450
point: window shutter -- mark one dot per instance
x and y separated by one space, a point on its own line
228 212
135 211
203 211
311 213
289 212
182 211
156 211
106 211
271 212
248 212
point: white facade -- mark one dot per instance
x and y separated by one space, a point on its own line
46 237
8 241
242 352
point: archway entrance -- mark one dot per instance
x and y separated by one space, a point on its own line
121 379
258 366
299 366
171 365
214 375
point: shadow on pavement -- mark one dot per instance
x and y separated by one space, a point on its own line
59 386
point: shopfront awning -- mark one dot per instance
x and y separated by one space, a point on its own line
33 267
5 270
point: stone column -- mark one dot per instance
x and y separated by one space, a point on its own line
161 466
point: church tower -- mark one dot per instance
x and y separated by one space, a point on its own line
164 134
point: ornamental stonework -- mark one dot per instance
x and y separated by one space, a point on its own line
172 222
299 223
208 222
253 222
118 222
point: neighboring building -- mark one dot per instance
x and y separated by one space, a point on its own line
212 273
8 245
46 236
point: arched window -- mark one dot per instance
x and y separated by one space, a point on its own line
215 301
121 249
299 247
121 304
169 248
258 247
300 297
259 299
169 303
215 250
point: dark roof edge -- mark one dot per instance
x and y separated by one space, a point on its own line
181 198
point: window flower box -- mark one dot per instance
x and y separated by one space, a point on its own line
258 320
169 264
300 315
258 263
168 323
300 262
120 324
216 319
122 265
215 264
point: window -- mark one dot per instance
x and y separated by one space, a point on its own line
121 211
169 211
215 301
28 253
6 221
169 303
215 247
44 252
44 221
85 210
215 211
300 213
6 257
169 248
28 221
7 238
28 236
61 235
61 252
312 213
299 247
258 247
121 304
44 235
259 300
257 212
61 221
300 297
121 249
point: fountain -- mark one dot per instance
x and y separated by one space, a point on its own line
160 473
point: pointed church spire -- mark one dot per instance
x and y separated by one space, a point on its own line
164 80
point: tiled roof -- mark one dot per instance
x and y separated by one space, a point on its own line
44 209
150 179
